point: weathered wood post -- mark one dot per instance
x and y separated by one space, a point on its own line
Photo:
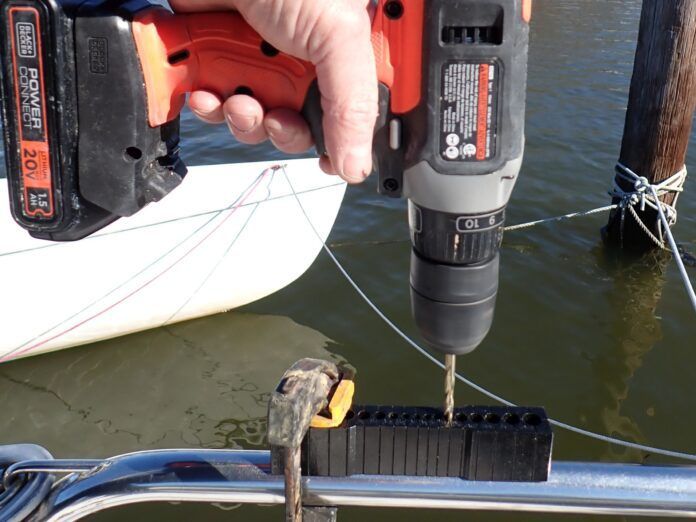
660 109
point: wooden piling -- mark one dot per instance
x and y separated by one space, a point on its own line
660 111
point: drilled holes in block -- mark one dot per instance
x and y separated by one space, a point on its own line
492 418
511 418
531 419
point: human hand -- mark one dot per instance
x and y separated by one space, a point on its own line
334 35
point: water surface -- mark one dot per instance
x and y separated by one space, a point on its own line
602 342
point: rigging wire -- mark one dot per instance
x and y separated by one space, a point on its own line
675 250
521 226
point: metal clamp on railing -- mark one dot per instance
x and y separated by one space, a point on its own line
305 396
313 430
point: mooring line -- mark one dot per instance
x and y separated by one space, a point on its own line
521 226
648 194
468 382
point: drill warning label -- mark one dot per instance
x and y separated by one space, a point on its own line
468 111
34 155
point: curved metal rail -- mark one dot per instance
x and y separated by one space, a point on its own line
230 476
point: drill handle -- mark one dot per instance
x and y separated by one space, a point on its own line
220 53
215 52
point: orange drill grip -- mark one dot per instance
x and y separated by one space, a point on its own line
222 54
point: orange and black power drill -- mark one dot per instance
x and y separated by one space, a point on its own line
92 90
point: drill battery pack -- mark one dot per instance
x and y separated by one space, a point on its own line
73 102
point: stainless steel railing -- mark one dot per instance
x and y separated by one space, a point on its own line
230 476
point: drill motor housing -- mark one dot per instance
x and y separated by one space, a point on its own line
462 159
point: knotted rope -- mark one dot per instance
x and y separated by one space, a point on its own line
647 194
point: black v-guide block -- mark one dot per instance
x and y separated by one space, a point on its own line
483 443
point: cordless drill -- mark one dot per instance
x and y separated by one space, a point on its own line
92 90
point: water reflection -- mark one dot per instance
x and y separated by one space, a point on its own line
203 383
635 330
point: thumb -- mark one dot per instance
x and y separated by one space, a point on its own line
347 78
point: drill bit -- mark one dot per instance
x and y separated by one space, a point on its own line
450 366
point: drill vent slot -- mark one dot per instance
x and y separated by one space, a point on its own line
459 35
178 57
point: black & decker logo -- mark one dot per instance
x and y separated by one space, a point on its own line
26 40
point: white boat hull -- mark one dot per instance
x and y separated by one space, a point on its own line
226 237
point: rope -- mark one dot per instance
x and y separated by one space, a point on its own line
647 194
472 384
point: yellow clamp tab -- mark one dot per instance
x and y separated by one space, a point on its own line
340 403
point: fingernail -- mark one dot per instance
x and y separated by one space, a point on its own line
240 122
276 133
357 166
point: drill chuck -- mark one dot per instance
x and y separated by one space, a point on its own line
453 305
454 276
